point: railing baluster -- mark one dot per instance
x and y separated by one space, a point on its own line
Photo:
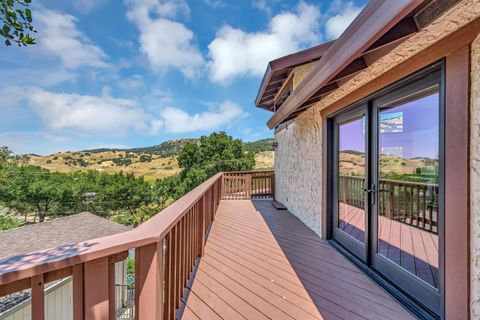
77 291
149 281
96 289
171 289
38 297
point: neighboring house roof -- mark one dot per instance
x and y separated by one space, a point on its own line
41 236
63 231
380 27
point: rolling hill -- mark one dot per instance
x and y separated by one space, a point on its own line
152 162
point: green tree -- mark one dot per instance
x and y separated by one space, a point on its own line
16 20
210 155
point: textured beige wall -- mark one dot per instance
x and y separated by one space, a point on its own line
301 72
298 168
475 178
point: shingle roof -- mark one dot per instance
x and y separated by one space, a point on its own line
64 231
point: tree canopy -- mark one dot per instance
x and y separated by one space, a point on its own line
16 19
210 155
121 197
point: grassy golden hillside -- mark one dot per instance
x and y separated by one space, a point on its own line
354 163
150 166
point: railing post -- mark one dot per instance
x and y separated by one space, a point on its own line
77 291
149 281
222 186
38 297
202 226
273 186
96 289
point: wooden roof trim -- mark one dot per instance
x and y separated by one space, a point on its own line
375 20
282 88
289 61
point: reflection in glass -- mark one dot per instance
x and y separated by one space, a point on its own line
408 186
351 203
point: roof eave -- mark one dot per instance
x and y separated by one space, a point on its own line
375 20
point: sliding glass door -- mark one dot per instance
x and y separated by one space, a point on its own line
387 184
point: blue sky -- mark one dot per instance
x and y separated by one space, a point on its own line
111 73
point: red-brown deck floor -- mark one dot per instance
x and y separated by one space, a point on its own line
263 263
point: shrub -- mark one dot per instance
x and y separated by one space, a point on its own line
8 222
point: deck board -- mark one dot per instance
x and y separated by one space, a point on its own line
263 263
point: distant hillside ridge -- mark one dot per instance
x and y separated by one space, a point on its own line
171 148
168 148
260 145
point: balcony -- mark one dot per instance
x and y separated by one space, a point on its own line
220 252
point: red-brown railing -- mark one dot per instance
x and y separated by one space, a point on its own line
412 203
167 247
248 185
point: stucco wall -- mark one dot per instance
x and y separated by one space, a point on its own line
300 72
475 178
298 168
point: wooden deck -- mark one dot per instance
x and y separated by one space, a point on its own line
415 249
263 263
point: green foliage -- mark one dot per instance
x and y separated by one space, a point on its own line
260 145
8 222
121 197
16 20
145 158
122 161
130 271
215 153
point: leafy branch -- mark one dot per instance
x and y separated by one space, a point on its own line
16 18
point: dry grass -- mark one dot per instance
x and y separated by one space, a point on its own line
159 167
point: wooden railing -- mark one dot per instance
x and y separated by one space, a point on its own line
408 202
167 247
248 185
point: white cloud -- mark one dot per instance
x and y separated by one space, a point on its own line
262 5
84 113
133 82
59 36
345 14
235 53
89 115
165 42
175 120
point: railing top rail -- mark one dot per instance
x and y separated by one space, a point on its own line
31 264
249 172
398 182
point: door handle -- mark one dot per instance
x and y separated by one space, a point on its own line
373 191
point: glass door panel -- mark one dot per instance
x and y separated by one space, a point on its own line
351 168
408 171
350 215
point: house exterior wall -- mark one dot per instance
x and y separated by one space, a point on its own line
298 169
475 178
